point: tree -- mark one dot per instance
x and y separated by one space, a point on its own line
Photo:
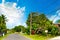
37 21
3 23
19 28
30 20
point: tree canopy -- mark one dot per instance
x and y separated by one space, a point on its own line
38 20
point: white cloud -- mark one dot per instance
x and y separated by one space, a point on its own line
14 14
58 12
14 4
55 17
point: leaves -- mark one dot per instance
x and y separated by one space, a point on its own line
2 23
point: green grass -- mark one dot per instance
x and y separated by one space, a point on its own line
2 37
37 37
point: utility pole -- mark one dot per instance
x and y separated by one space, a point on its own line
30 23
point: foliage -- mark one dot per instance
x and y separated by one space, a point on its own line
53 30
28 30
3 23
38 20
23 29
19 28
40 23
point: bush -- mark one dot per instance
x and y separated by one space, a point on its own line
17 29
23 29
28 31
53 30
43 33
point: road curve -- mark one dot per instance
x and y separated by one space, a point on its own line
15 37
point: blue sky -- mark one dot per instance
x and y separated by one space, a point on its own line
49 7
46 6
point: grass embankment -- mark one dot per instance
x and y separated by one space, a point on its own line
37 37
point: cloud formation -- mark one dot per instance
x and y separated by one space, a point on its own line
55 17
14 14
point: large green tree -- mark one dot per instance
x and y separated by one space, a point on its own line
38 20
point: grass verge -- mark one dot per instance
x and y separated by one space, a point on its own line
37 37
2 37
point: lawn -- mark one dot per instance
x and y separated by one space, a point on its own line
37 37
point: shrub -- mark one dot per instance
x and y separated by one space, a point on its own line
53 30
17 29
28 31
43 33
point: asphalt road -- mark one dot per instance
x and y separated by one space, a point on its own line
15 37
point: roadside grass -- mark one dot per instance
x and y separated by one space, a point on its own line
37 37
2 37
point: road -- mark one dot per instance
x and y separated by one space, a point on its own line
15 37
55 38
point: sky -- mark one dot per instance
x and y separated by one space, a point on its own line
17 11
